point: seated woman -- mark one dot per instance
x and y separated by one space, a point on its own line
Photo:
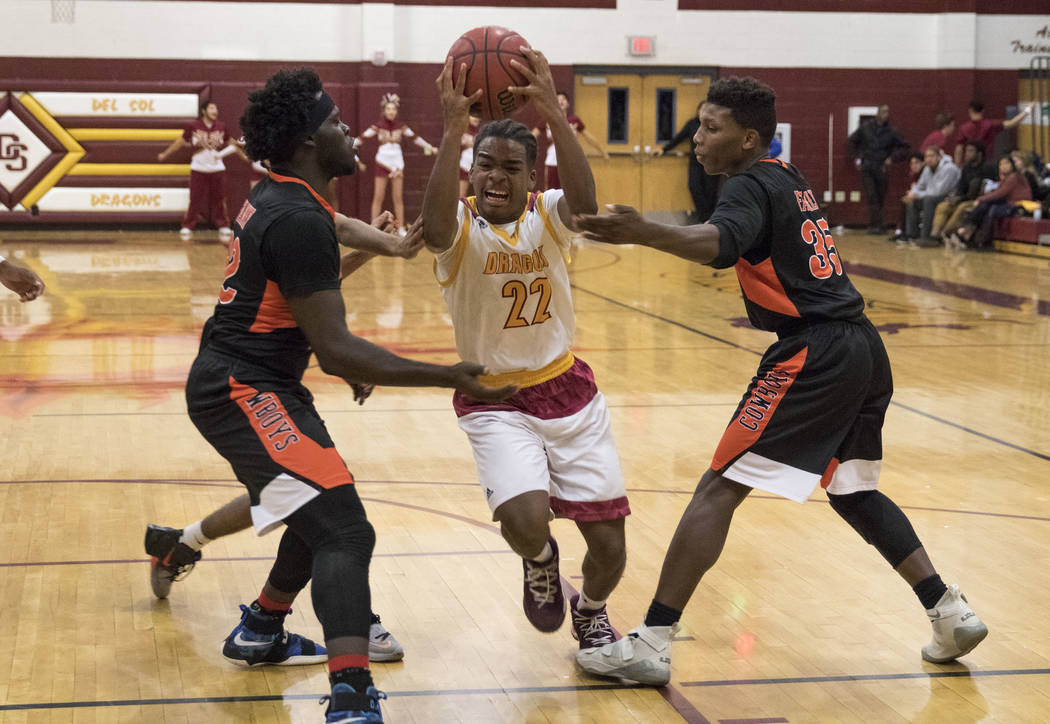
998 203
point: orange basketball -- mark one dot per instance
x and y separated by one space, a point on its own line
487 52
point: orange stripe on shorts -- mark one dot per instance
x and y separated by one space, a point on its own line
288 446
754 415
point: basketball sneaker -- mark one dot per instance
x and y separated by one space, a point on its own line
170 560
956 628
185 234
382 646
643 655
260 639
591 628
346 706
543 600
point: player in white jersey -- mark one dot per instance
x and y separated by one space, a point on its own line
500 258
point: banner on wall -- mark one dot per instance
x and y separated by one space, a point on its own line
45 141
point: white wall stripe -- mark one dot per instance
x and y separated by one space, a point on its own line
422 34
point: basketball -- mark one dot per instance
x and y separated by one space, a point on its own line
487 52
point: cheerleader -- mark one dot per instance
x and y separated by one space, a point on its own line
390 162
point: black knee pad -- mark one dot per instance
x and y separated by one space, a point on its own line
341 595
880 522
292 569
334 527
335 520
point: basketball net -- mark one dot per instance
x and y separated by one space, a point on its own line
63 11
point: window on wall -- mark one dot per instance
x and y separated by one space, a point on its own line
665 114
618 107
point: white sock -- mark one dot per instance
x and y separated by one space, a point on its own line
546 555
194 537
588 604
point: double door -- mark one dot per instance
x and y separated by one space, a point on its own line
631 115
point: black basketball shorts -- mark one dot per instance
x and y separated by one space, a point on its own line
268 430
812 414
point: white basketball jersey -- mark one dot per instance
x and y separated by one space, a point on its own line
507 287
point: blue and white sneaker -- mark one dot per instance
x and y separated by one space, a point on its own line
346 706
260 639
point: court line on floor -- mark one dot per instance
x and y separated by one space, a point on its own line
315 697
113 561
685 708
966 292
968 673
217 483
653 315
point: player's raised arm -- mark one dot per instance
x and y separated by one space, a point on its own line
574 171
439 201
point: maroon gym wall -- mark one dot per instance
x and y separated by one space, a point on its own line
805 98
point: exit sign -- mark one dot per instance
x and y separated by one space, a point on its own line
641 45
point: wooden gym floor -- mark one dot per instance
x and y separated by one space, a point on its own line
800 621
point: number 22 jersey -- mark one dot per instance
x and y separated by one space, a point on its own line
507 287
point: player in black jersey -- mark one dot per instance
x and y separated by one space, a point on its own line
812 414
280 302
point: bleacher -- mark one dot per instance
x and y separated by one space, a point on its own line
1024 235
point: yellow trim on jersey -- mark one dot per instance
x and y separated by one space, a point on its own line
562 244
511 239
461 248
530 378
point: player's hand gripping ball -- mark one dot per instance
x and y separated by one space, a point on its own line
487 52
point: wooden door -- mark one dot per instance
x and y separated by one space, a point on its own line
632 114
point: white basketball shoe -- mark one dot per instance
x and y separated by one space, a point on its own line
643 655
956 628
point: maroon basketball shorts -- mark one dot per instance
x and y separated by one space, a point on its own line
269 432
812 414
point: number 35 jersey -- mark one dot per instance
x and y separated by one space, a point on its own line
773 232
507 287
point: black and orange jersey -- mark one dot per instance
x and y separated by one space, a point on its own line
772 231
284 245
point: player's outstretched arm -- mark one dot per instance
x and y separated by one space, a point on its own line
322 318
574 171
23 282
356 234
440 199
624 225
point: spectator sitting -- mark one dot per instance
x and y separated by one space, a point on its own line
1025 161
982 129
916 162
998 203
942 135
951 212
939 177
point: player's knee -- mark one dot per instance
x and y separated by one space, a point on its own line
524 521
852 509
527 535
605 542
714 489
880 522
